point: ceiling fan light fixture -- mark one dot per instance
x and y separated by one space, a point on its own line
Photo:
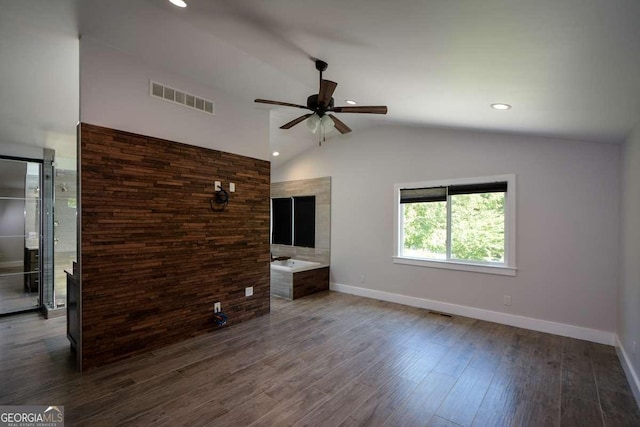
321 106
326 123
179 3
500 106
313 123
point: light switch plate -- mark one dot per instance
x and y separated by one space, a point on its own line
248 292
232 187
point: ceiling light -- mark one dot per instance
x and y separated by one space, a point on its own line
313 123
500 106
326 123
350 101
179 3
276 154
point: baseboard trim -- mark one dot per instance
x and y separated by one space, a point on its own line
632 375
593 335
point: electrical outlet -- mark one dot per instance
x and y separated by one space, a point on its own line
507 300
232 187
248 292
217 186
217 307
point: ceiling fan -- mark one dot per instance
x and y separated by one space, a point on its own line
322 105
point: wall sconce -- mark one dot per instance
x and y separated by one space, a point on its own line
220 199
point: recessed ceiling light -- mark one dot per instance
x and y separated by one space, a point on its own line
276 154
500 106
179 3
350 101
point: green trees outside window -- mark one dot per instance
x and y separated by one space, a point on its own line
477 228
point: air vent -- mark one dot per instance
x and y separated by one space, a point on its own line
158 90
437 313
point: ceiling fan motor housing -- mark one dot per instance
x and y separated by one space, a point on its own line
312 104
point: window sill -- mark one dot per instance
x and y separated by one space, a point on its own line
453 265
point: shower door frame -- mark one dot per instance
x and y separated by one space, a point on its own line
41 285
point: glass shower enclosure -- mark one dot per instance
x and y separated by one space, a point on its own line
20 226
26 234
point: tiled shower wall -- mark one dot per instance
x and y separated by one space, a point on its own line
321 188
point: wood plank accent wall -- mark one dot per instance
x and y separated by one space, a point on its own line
155 257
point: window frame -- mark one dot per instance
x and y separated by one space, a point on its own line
508 268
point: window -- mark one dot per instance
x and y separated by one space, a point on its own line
281 221
293 220
464 224
304 221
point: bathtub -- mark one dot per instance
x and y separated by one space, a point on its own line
295 265
293 278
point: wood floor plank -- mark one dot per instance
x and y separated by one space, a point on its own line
382 403
465 397
424 401
424 363
436 421
391 365
338 407
291 411
576 412
619 409
244 414
455 361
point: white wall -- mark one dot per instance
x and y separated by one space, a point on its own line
567 218
21 150
629 290
114 92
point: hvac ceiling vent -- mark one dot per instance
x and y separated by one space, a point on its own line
158 90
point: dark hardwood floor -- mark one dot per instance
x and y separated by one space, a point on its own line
328 360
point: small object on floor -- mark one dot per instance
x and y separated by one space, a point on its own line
220 318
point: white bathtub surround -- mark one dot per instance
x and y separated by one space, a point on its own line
295 265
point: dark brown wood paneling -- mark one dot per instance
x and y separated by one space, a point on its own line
310 281
155 257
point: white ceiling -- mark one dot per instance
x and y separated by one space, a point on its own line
570 68
39 74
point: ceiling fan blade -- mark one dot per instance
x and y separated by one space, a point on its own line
339 125
371 109
327 87
294 122
284 104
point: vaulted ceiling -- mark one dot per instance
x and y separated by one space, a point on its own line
570 68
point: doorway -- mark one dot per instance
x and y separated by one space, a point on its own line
20 226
